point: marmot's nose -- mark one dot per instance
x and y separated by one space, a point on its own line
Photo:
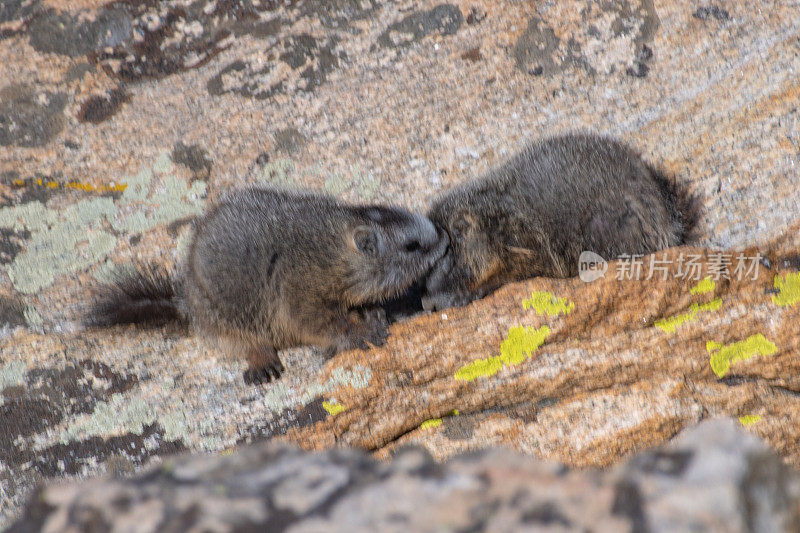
427 236
443 236
429 303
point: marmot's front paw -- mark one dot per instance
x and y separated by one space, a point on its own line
376 326
265 374
366 328
446 300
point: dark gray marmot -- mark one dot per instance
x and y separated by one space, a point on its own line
534 215
270 269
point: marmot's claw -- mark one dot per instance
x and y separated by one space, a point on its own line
254 376
378 338
361 344
377 327
259 376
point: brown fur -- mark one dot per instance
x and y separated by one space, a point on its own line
534 215
270 269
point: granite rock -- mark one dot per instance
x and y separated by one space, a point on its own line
120 121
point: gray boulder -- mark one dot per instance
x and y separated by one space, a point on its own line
714 477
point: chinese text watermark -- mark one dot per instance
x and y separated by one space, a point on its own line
686 266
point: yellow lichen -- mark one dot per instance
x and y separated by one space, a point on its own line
520 343
723 356
704 286
432 423
789 287
480 367
436 422
544 302
749 420
333 408
86 187
671 324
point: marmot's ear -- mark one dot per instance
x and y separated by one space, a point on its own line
367 240
461 223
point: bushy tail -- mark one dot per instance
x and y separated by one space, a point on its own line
144 295
685 208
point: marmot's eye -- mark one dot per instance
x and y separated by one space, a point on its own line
412 246
459 226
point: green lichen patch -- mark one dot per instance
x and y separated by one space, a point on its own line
109 272
295 406
77 390
178 425
76 457
703 286
283 174
53 248
31 216
74 239
162 164
278 173
33 318
121 414
368 184
789 287
125 414
723 356
545 303
173 200
336 184
520 343
12 373
672 323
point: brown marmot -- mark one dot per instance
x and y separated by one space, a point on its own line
534 214
270 269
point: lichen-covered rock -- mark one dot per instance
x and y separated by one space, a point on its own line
586 372
120 121
714 477
582 373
